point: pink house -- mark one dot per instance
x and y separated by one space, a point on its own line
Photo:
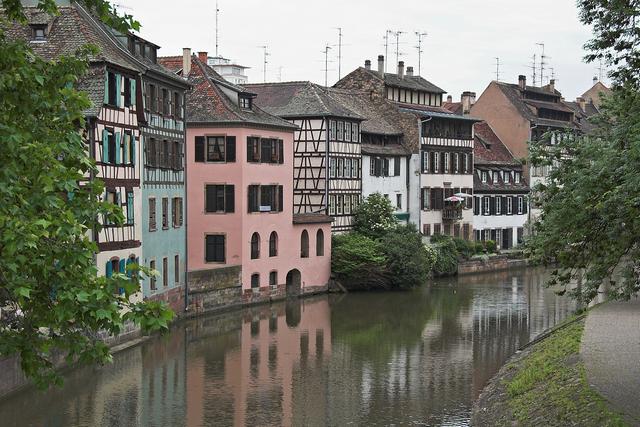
243 242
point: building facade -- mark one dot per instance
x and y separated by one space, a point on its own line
501 201
244 242
230 71
328 160
440 143
113 85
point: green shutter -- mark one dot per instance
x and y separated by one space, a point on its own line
123 267
126 148
118 90
133 149
105 146
132 101
108 269
118 148
106 87
130 208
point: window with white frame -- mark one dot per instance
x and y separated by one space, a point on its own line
509 205
425 162
486 201
456 163
517 177
446 162
339 204
332 167
495 177
483 175
520 205
507 177
332 205
498 205
436 162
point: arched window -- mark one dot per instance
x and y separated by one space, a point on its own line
320 243
273 244
255 281
255 246
304 244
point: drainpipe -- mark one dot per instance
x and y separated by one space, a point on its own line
186 211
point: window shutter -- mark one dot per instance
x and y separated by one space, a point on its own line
199 154
130 211
118 148
132 94
422 195
231 149
492 205
118 90
133 150
210 195
105 146
442 156
229 198
396 166
122 266
280 151
280 198
108 269
432 162
514 205
525 204
476 205
434 198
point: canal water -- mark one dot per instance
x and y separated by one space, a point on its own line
401 358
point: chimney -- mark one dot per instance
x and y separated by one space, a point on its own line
401 69
595 79
582 102
410 71
552 85
467 99
381 65
449 99
367 64
186 62
522 81
202 56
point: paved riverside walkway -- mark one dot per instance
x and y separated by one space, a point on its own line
611 353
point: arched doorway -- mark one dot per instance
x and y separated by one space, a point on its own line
294 282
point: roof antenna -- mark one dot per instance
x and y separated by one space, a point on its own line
397 34
542 63
419 47
386 48
217 13
497 69
264 63
339 52
326 64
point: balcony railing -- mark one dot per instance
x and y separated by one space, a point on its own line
452 213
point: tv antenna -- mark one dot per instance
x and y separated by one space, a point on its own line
533 69
386 48
497 69
600 69
264 63
280 73
419 47
397 34
542 63
326 64
339 52
217 13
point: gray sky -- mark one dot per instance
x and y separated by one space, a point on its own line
464 37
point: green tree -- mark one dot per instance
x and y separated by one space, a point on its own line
590 221
53 302
408 261
374 216
358 261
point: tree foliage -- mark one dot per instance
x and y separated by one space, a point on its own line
53 303
408 261
358 260
374 216
590 221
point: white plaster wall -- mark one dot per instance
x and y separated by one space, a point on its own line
390 185
414 189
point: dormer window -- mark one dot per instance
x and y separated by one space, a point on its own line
245 102
39 33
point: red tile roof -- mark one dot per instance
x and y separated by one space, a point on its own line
488 148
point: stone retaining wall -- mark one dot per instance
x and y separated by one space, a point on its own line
494 263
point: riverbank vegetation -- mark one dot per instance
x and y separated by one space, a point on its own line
545 385
381 253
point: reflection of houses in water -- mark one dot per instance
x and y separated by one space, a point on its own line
250 378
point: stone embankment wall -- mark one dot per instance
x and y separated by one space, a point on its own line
492 263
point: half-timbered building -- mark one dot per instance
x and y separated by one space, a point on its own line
385 160
328 158
112 122
162 172
501 201
442 142
245 242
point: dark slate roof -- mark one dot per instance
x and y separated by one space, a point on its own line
557 106
489 149
427 111
500 186
378 116
385 150
583 116
208 104
408 82
527 107
299 99
311 218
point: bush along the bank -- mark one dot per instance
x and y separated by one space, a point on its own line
451 250
380 253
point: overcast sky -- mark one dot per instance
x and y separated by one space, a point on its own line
464 37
